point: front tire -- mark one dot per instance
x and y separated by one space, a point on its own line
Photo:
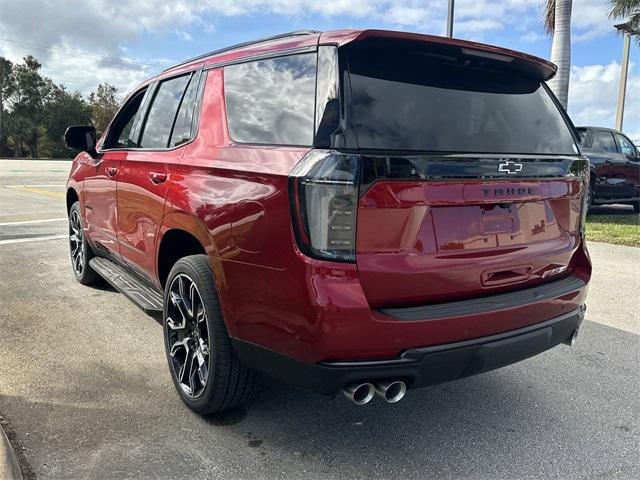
636 207
205 370
79 249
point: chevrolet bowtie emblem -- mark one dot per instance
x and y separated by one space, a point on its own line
510 167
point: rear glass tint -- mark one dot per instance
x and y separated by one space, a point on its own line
407 98
272 101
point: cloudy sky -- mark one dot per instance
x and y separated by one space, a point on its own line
84 42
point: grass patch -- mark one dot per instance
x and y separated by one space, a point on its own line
618 229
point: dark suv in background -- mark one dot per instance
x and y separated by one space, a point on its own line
615 167
359 211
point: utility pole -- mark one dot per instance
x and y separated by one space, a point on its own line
626 32
450 20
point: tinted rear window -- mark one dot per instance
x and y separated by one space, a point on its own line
408 98
272 101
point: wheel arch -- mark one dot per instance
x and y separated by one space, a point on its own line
71 198
182 235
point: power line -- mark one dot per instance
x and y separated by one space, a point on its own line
78 53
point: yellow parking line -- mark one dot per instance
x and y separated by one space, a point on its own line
39 190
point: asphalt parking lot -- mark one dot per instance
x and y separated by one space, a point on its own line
85 390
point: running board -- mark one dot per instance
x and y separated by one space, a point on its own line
147 298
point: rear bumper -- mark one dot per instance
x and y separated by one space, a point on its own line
418 367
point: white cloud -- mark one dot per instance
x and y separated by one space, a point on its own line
186 36
98 31
590 19
593 94
532 37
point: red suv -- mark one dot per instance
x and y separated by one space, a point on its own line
361 211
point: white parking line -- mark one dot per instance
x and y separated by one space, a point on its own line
40 186
27 222
22 214
33 239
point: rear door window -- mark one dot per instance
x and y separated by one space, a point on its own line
162 112
272 101
407 97
603 142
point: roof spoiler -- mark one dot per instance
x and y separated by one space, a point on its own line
532 66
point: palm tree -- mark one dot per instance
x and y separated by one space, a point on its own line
557 21
628 10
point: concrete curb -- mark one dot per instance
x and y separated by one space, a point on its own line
9 468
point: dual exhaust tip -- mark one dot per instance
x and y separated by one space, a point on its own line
361 393
392 391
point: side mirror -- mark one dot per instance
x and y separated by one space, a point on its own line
81 137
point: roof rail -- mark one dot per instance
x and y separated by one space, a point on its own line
240 45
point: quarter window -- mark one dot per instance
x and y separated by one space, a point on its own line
157 128
626 146
603 142
272 101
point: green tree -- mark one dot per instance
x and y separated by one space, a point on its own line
7 89
32 92
628 10
63 109
104 103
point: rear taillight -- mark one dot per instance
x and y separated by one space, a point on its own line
323 191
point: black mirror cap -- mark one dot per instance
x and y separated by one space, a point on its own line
81 137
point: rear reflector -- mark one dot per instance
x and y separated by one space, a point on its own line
323 192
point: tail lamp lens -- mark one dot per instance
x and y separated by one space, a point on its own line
323 190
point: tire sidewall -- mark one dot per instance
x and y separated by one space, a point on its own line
184 268
88 275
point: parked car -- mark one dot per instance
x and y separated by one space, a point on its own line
615 167
361 211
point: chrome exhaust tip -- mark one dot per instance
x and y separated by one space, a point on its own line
391 391
359 393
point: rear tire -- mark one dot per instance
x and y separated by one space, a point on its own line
79 249
204 367
636 207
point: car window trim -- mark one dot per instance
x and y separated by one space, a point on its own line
151 90
263 56
144 111
175 116
197 106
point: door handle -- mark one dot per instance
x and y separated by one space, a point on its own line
111 171
157 177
